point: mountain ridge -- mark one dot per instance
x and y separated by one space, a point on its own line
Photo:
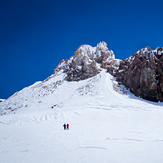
87 63
141 73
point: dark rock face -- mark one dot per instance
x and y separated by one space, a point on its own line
142 73
160 74
82 71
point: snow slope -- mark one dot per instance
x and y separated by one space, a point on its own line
105 125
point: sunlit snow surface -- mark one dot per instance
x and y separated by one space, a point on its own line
106 126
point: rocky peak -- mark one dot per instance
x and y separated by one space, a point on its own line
85 62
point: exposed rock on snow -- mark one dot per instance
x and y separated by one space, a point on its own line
142 73
84 64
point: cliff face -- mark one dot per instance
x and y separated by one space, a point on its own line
142 72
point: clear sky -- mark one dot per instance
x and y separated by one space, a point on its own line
35 35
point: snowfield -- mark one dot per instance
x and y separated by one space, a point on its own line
106 126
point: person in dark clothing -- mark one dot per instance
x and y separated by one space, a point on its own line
68 126
64 126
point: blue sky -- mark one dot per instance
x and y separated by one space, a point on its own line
35 35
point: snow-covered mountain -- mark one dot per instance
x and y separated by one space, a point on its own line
86 63
107 122
141 73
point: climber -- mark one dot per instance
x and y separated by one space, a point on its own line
68 126
64 126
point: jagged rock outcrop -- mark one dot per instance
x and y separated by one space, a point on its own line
84 64
142 73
